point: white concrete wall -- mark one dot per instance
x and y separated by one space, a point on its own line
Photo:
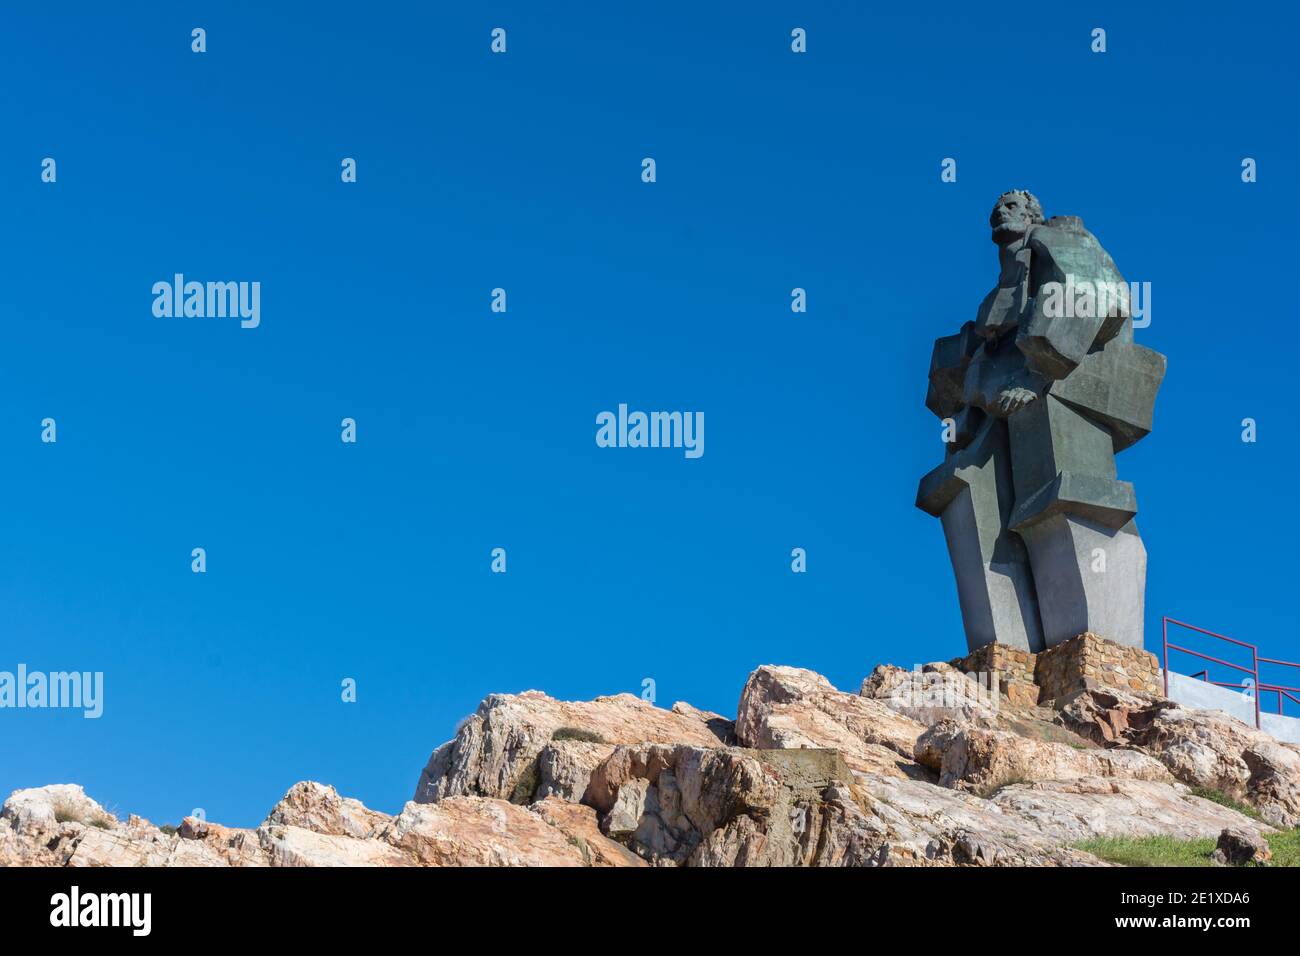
1194 692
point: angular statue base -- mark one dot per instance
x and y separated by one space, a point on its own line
1088 577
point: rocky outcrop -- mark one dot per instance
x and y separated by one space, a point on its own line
982 759
311 826
1073 810
495 752
313 806
477 831
788 708
934 693
709 806
920 768
1201 748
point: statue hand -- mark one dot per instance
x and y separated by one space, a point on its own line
1014 399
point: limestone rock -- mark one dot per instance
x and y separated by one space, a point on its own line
665 802
934 693
982 759
495 751
579 825
723 729
792 708
480 831
564 768
201 843
1203 748
820 778
319 808
918 824
1074 810
296 846
734 807
41 809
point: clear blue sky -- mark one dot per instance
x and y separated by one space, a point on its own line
476 430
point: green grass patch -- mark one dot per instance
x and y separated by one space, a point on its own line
1285 847
1169 851
1149 851
577 733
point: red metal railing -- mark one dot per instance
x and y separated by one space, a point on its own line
1258 688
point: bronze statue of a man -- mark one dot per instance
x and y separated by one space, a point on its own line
1037 395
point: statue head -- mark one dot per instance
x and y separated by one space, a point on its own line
1013 214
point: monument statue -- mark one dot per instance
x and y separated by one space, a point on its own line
1037 395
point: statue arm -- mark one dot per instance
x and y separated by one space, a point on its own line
948 364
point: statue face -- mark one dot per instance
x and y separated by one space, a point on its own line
1010 218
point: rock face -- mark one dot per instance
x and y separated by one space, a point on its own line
937 692
311 826
495 752
1202 748
784 707
920 768
981 760
1074 810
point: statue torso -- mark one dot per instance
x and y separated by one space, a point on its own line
1002 309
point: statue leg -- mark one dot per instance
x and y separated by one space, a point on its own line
1076 520
972 494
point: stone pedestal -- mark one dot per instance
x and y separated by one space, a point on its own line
1084 661
1092 661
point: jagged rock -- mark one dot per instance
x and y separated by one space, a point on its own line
623 818
45 808
913 823
797 807
495 751
312 826
936 692
200 843
732 807
564 768
480 831
723 729
296 846
664 802
981 760
319 808
1203 748
579 825
1108 716
823 778
792 708
1238 847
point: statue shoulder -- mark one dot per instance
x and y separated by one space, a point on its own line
1061 232
1063 242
